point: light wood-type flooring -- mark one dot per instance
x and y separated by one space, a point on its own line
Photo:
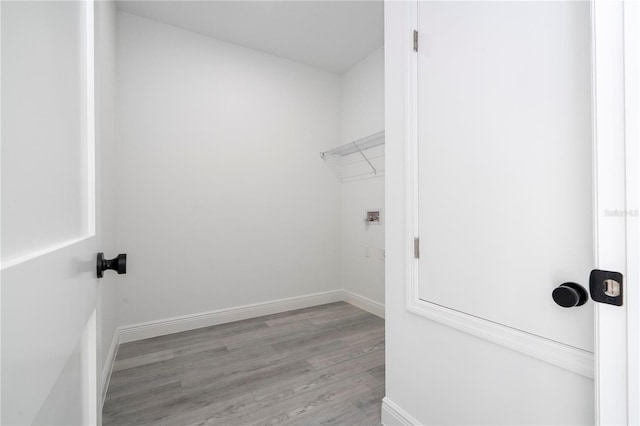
316 366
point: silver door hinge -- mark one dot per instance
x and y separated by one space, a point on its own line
416 248
415 40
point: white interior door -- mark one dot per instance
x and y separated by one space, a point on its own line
505 162
522 172
49 241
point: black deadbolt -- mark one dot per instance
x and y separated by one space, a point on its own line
118 264
569 295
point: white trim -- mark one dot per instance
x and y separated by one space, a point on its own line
412 200
573 359
90 113
393 415
17 260
89 367
108 364
364 303
1 262
632 146
608 94
149 329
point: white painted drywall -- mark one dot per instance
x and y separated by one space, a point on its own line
436 374
330 35
222 199
363 97
105 85
362 264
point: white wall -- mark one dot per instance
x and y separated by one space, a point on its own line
435 374
363 97
105 84
362 267
222 199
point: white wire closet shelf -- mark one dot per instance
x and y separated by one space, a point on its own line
360 159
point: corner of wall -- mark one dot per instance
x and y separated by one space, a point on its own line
363 246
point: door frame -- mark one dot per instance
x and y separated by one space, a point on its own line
632 139
617 384
616 53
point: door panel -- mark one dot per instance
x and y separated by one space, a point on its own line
48 209
43 120
46 304
505 158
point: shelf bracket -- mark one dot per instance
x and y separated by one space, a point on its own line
375 172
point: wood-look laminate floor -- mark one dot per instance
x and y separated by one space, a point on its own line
320 365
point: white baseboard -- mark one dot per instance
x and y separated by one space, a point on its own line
363 303
146 330
393 415
108 363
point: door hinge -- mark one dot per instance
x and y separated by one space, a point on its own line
416 248
415 40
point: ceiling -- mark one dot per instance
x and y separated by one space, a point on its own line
332 35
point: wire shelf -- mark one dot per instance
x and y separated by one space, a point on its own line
360 159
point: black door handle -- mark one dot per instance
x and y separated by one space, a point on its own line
569 295
118 264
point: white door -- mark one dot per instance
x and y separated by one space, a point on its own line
49 242
512 189
505 162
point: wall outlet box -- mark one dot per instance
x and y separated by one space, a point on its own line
381 254
373 217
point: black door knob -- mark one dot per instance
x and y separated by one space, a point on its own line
118 264
569 295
